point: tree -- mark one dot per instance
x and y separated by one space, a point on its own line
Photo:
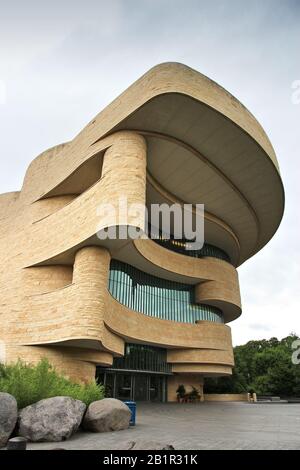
264 366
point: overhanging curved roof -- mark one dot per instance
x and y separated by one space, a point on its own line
204 146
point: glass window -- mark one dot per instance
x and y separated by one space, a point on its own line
157 297
144 358
109 385
124 386
182 246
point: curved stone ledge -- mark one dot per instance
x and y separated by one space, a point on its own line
219 286
205 370
201 356
196 269
223 295
134 326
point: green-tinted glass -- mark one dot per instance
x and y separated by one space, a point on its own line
157 297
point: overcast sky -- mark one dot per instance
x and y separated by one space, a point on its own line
61 62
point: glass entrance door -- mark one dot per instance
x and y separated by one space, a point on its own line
141 387
133 386
124 386
156 388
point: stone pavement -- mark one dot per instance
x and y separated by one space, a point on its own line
201 426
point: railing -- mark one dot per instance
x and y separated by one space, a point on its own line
182 247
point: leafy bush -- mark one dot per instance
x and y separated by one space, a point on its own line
181 391
194 394
29 384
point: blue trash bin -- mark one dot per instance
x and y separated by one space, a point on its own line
132 406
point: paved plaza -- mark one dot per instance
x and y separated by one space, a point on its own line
201 426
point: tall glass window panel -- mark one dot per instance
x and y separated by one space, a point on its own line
157 297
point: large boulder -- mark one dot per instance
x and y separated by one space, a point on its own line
106 415
53 419
8 416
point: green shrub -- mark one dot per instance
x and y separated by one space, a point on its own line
29 384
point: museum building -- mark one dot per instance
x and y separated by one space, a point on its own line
147 314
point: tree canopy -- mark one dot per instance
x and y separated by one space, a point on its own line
264 367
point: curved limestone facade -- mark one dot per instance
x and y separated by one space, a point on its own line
173 137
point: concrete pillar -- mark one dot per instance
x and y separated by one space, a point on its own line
91 267
124 178
90 279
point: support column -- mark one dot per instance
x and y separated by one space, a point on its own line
124 179
90 279
91 267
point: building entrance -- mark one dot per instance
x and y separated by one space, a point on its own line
137 386
140 375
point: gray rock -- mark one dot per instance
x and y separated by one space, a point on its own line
8 416
16 443
106 415
143 444
53 419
